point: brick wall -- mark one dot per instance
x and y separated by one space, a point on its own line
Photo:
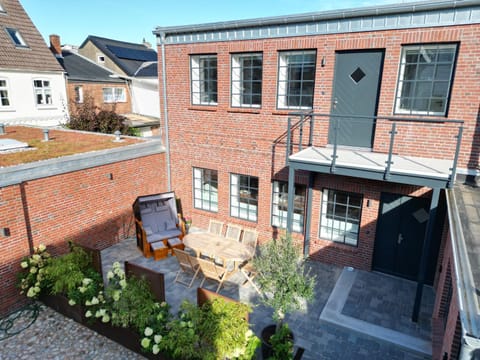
96 91
249 141
84 206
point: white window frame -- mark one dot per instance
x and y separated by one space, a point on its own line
100 58
114 95
199 85
280 207
16 37
238 90
401 79
243 202
205 194
283 79
5 89
45 92
78 94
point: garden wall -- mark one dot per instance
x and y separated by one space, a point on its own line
85 198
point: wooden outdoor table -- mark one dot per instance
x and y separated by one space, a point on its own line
219 246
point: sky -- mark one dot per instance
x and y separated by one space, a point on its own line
133 21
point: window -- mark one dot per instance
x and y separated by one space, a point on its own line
16 37
4 100
204 79
247 80
205 189
244 197
280 206
115 94
43 92
100 58
340 219
425 79
296 79
79 94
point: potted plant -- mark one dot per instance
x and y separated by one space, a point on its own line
286 286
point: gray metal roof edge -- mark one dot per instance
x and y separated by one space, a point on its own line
316 16
469 309
17 174
95 80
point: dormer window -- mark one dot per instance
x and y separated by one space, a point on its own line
17 39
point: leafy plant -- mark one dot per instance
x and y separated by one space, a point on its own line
282 343
32 280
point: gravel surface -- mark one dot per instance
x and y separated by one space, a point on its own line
53 336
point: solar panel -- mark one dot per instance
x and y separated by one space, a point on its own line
133 54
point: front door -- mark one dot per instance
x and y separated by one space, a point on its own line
400 234
355 92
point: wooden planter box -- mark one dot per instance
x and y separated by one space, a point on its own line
60 304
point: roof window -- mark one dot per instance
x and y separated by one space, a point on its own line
16 37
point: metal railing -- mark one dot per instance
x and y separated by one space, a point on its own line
428 138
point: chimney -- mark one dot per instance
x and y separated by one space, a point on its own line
55 46
147 44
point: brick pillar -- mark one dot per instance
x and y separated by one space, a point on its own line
55 46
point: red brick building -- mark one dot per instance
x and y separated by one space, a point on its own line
345 127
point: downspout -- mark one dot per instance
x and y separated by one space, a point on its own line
165 110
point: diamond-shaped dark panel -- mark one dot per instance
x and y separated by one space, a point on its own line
357 75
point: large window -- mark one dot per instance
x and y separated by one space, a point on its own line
16 38
205 189
4 99
280 206
340 218
244 197
79 94
43 92
114 94
246 80
204 79
425 78
296 79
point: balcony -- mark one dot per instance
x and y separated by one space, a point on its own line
415 151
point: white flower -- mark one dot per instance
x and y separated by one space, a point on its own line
155 349
42 247
116 295
105 318
109 275
94 300
88 303
71 302
31 292
24 264
36 257
145 343
88 314
86 281
248 333
148 331
163 304
36 289
123 283
157 338
82 289
33 270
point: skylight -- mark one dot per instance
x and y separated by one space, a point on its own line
16 37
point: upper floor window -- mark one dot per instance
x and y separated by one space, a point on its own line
425 79
246 80
280 206
340 216
114 94
4 99
205 189
16 37
296 79
43 92
204 79
100 58
79 94
244 197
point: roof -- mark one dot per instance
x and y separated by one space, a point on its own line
127 56
148 69
36 56
79 68
464 216
394 16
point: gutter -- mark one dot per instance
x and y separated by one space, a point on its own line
161 37
317 16
468 303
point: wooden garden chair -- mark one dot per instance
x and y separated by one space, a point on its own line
188 264
215 227
233 232
250 239
213 272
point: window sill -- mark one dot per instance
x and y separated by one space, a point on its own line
202 108
46 107
336 245
244 110
7 110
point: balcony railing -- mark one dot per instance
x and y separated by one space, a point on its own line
418 139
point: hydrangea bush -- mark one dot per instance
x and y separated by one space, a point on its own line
32 278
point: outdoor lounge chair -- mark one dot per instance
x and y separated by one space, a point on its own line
157 220
188 264
233 232
212 271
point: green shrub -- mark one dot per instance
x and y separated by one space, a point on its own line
32 280
282 343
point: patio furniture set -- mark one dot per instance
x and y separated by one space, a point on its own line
160 231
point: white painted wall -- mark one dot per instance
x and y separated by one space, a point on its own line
23 109
145 97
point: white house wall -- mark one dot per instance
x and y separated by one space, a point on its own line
23 109
145 97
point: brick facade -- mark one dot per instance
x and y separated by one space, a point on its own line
87 206
95 90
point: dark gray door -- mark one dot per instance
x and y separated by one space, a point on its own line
355 92
400 234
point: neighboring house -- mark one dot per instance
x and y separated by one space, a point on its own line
348 128
32 83
136 63
85 78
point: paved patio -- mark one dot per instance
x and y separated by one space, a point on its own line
355 314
